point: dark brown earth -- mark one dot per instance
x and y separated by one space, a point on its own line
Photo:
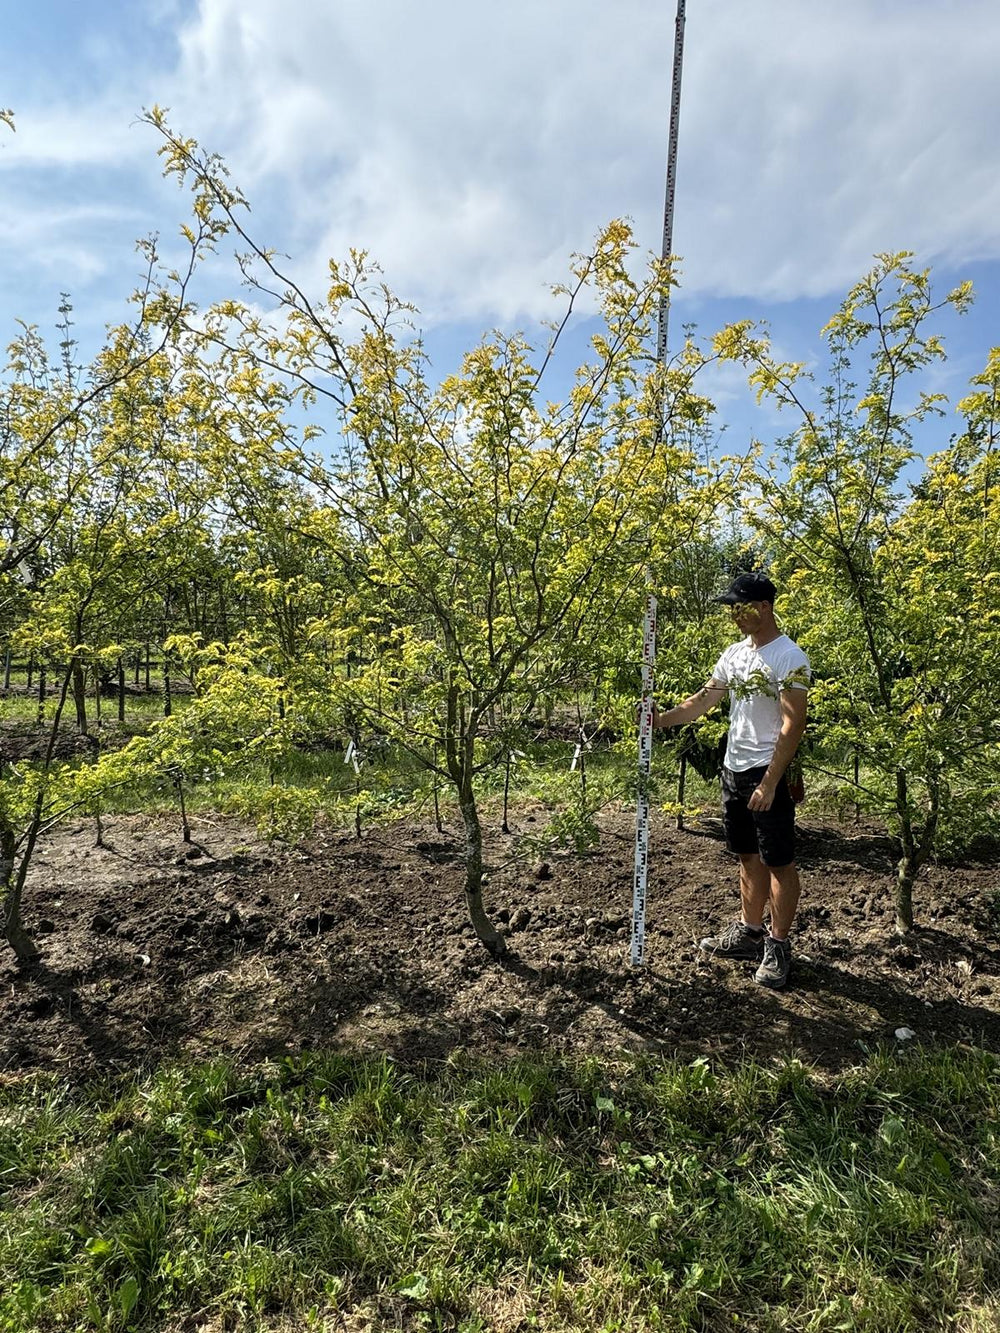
154 949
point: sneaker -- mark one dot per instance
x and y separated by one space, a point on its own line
774 970
736 941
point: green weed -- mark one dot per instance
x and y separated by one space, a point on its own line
543 1194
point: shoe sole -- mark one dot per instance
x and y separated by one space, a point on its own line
733 957
772 984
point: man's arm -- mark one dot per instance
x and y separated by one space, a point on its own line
793 725
692 707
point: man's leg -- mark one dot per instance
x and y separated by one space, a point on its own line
776 837
785 889
755 888
743 938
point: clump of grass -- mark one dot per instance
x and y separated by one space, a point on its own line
541 1194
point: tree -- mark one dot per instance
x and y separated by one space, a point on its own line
53 454
488 539
894 601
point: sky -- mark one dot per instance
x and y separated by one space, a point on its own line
471 148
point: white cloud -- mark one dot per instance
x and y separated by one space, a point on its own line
62 136
471 148
856 129
64 243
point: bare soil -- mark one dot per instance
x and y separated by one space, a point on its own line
154 949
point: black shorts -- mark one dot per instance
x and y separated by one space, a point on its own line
769 832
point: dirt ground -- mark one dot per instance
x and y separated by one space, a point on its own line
151 948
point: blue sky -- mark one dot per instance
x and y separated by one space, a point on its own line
471 148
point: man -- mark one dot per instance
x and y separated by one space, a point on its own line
767 676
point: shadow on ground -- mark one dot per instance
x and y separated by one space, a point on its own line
152 948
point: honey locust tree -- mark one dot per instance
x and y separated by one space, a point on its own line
893 596
128 534
497 540
53 447
48 436
233 722
488 537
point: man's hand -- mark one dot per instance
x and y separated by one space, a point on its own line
762 796
655 713
692 707
793 724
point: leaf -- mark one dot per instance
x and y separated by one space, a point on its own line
525 1093
415 1286
892 1130
695 1275
128 1294
604 1104
940 1165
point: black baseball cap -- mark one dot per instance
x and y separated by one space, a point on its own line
748 588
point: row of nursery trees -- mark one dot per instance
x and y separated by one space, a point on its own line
325 538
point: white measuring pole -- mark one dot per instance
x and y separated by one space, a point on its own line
642 798
649 625
667 245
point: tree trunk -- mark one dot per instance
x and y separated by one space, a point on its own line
168 705
41 694
681 784
486 932
79 696
915 850
185 826
355 735
6 670
437 799
10 899
906 871
121 689
12 893
459 745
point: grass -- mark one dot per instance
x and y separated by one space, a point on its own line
391 783
140 708
335 1192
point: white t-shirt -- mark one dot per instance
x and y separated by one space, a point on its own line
754 677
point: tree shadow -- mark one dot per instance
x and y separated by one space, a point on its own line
370 960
